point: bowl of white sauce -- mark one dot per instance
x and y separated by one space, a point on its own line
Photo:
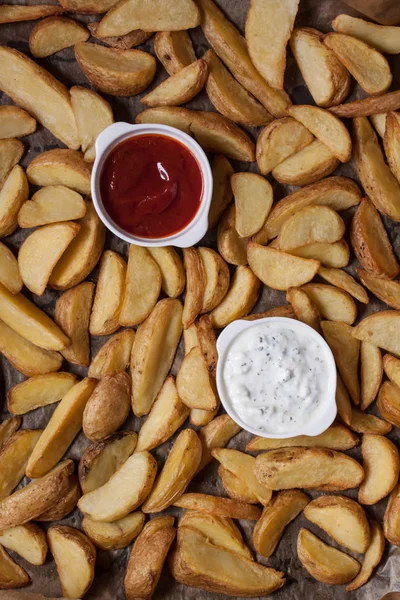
276 377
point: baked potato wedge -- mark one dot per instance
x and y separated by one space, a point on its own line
306 166
391 520
114 355
372 557
29 541
332 303
253 200
72 314
7 428
378 120
172 272
13 194
383 38
222 194
239 300
231 246
344 281
116 535
391 144
14 457
11 151
174 50
13 13
87 6
53 34
389 402
336 437
108 406
195 283
384 289
9 273
104 318
65 505
60 167
391 366
381 465
380 330
37 391
304 308
236 488
371 373
362 422
180 87
220 507
346 351
15 122
195 384
217 278
11 574
309 225
368 106
51 204
216 434
336 255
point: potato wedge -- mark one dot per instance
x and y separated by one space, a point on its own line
179 88
178 470
13 194
72 314
142 287
29 541
115 535
51 204
7 428
335 255
368 106
216 434
336 437
381 464
306 166
230 98
133 480
253 200
195 384
217 278
391 144
75 557
328 81
236 488
53 34
344 281
60 167
153 352
14 457
323 562
372 557
231 246
378 120
82 254
108 407
65 505
172 272
174 50
123 42
389 403
371 373
39 495
384 38
11 574
309 225
369 68
239 300
12 13
391 367
278 311
282 510
315 468
346 350
380 330
343 519
11 151
37 391
64 425
362 422
208 343
39 93
102 459
147 557
332 303
195 283
373 249
9 272
114 355
304 308
93 114
104 318
222 195
391 521
88 6
201 418
113 71
15 122
28 358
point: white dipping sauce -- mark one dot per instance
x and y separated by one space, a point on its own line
275 377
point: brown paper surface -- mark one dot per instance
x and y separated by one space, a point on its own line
110 566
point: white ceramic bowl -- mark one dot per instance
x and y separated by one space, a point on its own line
325 416
117 133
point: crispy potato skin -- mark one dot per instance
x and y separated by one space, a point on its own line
108 406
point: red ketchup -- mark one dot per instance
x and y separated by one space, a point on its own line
151 186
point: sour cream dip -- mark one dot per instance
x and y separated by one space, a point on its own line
277 377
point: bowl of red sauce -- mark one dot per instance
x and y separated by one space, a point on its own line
151 185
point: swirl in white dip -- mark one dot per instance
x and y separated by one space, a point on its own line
275 377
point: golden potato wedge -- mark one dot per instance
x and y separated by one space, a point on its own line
133 480
115 535
195 283
108 406
60 167
64 425
221 507
332 303
178 470
315 468
11 574
11 150
167 414
309 225
15 122
328 81
113 71
9 273
278 311
39 495
87 6
389 403
37 391
391 521
147 557
323 562
28 358
369 68
65 505
102 459
142 287
222 195
304 308
282 510
236 488
231 246
368 106
179 88
372 557
201 418
380 330
172 272
362 422
371 373
53 34
306 166
123 42
114 355
346 350
72 314
242 465
14 457
39 93
374 251
343 519
93 114
344 281
195 384
13 194
7 428
239 300
335 255
174 50
378 120
214 132
253 200
12 13
153 352
217 278
216 434
29 541
75 557
391 144
381 464
208 343
336 437
339 193
391 367
375 175
230 98
51 204
104 318
82 254
383 38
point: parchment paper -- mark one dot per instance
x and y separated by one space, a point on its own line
110 566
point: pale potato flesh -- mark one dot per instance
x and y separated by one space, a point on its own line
306 166
311 224
236 488
195 384
380 329
346 282
362 422
216 434
11 151
336 255
195 283
37 391
231 246
304 308
332 303
51 204
13 13
389 403
372 557
14 457
391 367
115 535
13 194
336 437
104 318
114 355
7 428
381 463
239 300
29 541
253 200
172 272
54 34
371 373
60 167
384 38
9 272
180 87
15 122
346 351
378 120
174 49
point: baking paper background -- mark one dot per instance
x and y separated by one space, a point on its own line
110 566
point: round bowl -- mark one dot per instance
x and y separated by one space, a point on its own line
117 133
328 411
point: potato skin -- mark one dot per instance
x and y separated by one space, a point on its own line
108 406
